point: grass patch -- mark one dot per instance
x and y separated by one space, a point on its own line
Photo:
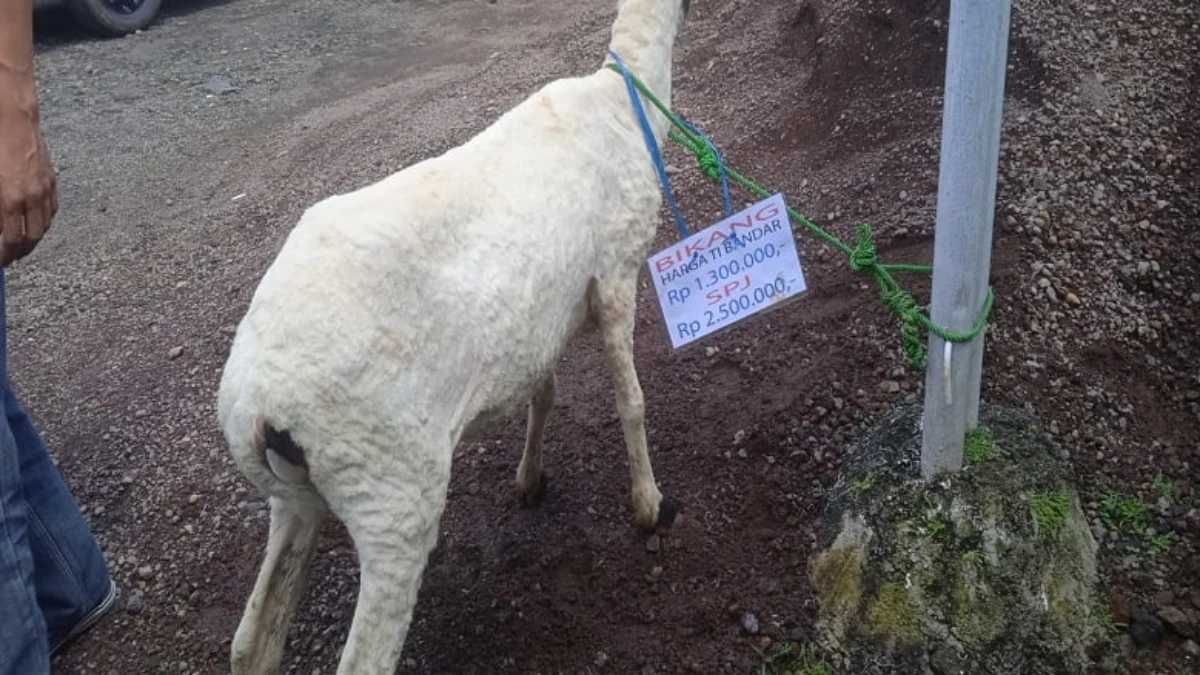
1104 619
788 658
935 526
862 484
979 446
1161 543
1050 511
1165 488
1123 514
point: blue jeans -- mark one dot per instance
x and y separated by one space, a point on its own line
51 570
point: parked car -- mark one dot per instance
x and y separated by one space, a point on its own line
110 18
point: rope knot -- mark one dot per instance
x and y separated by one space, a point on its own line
905 308
710 164
864 257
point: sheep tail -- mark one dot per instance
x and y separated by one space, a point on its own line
281 465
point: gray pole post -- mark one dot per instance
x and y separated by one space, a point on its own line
976 60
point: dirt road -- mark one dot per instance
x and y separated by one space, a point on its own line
187 152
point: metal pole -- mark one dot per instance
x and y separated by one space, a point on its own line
976 60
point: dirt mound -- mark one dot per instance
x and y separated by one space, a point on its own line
844 76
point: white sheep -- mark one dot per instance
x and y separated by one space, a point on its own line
400 317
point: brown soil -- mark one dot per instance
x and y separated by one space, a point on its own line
834 102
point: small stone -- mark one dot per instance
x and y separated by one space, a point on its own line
1073 299
1179 621
750 624
193 498
945 660
1145 628
145 572
1164 598
218 86
601 659
1126 645
654 543
175 352
134 601
889 387
1191 649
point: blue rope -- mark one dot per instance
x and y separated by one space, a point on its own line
722 172
652 146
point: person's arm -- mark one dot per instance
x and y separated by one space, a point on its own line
27 184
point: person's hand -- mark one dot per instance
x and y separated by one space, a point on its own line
28 188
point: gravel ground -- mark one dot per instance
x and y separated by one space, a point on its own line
187 151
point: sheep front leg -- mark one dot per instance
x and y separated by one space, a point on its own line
531 475
258 643
614 306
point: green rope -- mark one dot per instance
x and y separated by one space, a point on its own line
863 257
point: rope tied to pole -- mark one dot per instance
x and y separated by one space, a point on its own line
863 258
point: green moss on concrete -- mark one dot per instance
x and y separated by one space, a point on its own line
1071 566
893 615
989 570
837 580
836 577
977 613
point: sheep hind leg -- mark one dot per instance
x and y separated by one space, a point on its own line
259 641
394 528
614 306
531 475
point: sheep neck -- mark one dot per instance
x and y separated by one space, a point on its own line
644 36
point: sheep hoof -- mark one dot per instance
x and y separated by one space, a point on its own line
531 499
667 510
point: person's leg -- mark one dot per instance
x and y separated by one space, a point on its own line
70 575
23 643
23 640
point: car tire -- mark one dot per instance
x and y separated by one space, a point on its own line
114 18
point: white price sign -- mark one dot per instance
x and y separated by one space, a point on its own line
725 273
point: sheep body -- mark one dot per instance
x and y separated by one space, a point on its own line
401 316
453 276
